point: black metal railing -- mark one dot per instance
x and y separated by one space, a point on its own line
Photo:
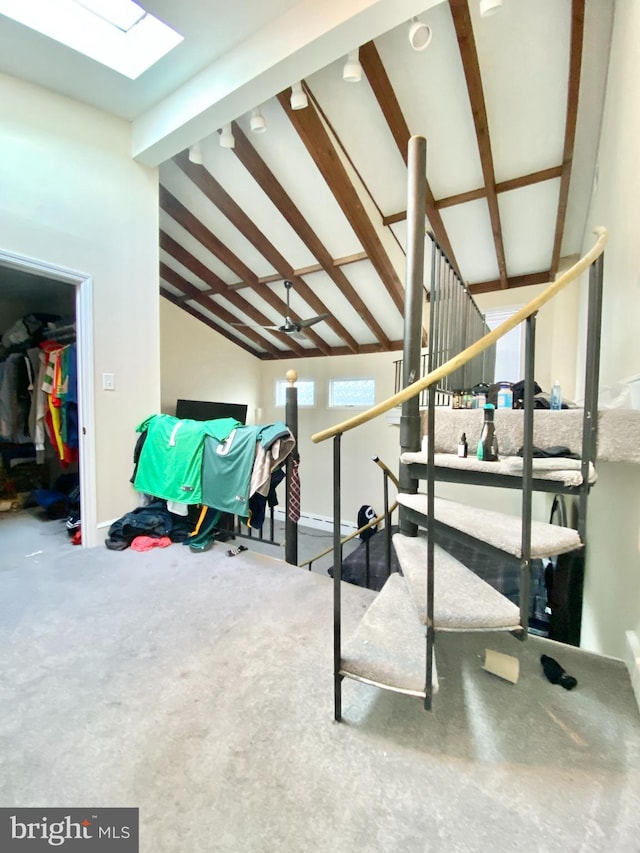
410 426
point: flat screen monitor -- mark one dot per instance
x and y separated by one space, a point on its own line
202 410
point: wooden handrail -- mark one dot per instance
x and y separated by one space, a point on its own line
475 349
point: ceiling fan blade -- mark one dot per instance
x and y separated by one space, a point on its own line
304 324
254 326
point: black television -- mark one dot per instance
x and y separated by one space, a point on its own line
203 410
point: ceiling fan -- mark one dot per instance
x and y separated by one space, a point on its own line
289 326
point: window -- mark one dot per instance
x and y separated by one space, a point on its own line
352 392
306 392
117 33
509 361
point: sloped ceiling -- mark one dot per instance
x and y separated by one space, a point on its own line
510 106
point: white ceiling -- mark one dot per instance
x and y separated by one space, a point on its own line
240 55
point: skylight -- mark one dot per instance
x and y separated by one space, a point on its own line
117 33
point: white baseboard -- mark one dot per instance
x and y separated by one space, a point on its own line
318 522
632 659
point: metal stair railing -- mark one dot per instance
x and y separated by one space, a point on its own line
409 398
385 516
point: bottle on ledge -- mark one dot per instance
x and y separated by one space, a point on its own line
555 399
488 444
463 447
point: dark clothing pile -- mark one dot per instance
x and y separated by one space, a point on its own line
153 520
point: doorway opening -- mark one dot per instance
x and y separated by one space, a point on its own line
52 275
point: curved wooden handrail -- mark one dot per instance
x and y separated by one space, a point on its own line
476 348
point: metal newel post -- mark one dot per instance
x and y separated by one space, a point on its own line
413 303
291 419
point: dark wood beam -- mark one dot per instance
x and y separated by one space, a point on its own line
189 309
337 262
189 291
261 173
573 94
177 211
471 66
386 97
318 143
173 248
543 277
529 180
473 195
216 194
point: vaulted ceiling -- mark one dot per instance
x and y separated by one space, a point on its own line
510 106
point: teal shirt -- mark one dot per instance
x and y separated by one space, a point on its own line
227 466
170 464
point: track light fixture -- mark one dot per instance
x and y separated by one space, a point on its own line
419 34
489 7
226 137
258 124
352 71
298 99
195 153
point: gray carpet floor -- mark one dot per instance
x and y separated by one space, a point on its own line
198 687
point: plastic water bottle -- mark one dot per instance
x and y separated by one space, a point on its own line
555 400
505 396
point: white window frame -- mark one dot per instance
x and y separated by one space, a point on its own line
493 318
280 393
337 380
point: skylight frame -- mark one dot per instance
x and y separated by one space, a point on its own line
129 52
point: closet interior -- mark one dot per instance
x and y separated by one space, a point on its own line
39 447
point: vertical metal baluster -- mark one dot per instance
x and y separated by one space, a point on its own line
592 373
430 633
337 579
527 473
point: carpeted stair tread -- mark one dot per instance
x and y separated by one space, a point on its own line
462 601
388 647
498 529
559 469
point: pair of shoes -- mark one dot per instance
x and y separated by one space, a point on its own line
238 550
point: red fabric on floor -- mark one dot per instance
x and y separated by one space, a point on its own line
146 543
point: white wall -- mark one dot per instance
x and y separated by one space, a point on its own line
73 197
556 332
361 478
198 364
612 586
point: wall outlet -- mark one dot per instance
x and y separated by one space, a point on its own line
109 381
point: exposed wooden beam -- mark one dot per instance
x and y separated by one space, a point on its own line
529 180
543 277
364 349
473 195
199 230
573 94
218 287
318 143
177 211
471 66
250 159
188 291
386 97
337 262
179 303
216 194
400 216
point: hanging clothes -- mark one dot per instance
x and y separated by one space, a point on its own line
240 466
170 463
